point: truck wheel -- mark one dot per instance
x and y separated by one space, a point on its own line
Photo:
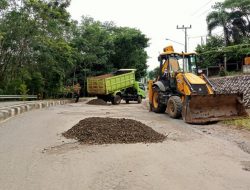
174 107
127 101
156 106
139 99
116 100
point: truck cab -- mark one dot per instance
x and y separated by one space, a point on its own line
134 93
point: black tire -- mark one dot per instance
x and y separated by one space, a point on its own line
174 107
127 101
76 96
77 99
156 106
139 99
116 100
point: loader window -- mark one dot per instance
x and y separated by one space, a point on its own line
174 64
179 63
189 63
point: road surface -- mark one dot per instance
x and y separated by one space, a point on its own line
34 155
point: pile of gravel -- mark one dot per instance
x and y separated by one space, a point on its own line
97 102
97 130
235 84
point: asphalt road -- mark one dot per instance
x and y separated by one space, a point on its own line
34 155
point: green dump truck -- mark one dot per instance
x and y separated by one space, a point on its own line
117 86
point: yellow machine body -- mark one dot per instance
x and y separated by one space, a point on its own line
199 101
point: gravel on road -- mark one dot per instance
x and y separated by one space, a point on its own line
97 102
98 130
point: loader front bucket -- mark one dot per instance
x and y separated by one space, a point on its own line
214 107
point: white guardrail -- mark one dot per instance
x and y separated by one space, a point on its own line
18 96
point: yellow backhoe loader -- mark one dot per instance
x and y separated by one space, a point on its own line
181 92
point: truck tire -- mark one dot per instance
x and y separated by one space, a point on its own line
156 106
116 100
139 99
174 107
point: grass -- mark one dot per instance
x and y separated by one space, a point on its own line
234 73
241 123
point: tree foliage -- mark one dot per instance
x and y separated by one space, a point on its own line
209 52
153 74
129 45
43 48
233 17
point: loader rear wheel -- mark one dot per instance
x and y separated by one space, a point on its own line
156 106
174 107
116 100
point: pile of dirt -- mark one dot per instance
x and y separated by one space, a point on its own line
235 84
97 102
97 130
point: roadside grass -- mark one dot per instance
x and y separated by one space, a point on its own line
234 73
241 123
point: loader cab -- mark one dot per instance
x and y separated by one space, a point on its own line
174 63
189 63
169 68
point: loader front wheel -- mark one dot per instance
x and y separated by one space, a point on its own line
156 106
174 107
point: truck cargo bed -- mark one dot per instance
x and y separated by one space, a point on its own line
110 83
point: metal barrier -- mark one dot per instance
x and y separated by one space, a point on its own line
18 96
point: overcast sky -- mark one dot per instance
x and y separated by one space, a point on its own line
157 19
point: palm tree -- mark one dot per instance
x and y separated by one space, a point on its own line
239 28
240 9
219 18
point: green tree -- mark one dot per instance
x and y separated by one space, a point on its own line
240 11
209 52
23 91
242 6
233 17
129 47
103 47
42 48
93 46
34 37
219 18
153 74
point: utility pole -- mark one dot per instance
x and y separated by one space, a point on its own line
185 28
201 41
